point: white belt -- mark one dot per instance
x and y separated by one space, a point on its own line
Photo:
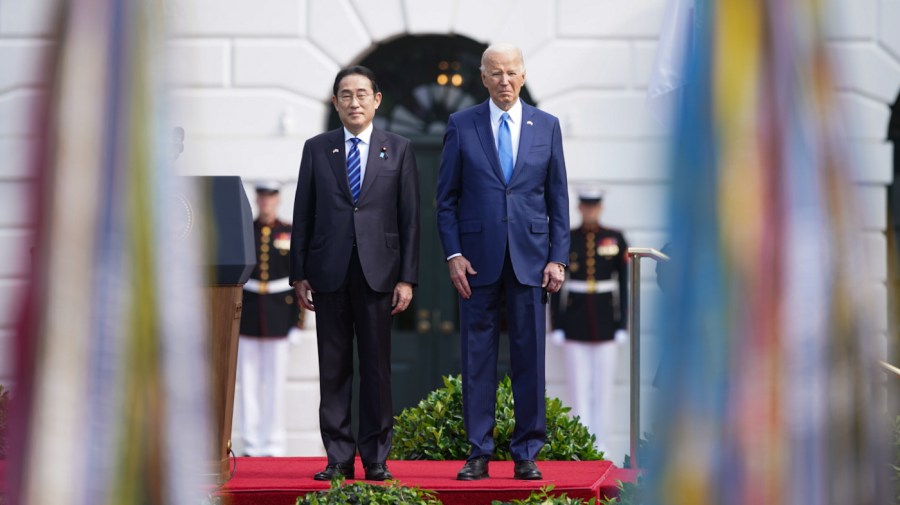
578 286
263 287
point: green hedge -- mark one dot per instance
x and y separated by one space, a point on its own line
543 497
433 430
341 493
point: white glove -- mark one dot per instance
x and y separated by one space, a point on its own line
294 335
558 337
621 336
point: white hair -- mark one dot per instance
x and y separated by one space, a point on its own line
502 48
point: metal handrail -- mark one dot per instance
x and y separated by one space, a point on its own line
634 328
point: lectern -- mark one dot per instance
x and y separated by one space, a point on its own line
230 229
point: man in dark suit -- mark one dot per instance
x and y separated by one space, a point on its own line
503 218
354 261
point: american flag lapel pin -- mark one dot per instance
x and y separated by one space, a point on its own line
335 151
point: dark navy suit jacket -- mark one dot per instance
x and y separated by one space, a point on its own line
384 223
479 215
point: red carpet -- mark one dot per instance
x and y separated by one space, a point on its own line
279 481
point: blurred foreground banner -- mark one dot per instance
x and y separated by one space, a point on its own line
111 402
770 389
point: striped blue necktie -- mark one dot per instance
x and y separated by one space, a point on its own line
504 147
353 166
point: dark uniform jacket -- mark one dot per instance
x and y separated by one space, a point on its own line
592 303
270 308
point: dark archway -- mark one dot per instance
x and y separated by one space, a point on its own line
423 80
893 238
893 135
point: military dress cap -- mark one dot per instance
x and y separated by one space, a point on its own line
590 195
268 187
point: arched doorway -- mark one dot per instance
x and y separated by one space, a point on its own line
893 238
423 80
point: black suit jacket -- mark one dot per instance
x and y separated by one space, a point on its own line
384 224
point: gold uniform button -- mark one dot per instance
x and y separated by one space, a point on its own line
590 262
289 300
264 276
264 257
266 231
264 248
264 267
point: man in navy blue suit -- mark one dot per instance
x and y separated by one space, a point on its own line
503 218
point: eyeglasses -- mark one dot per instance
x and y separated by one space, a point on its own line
362 97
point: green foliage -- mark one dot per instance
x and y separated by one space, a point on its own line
433 430
4 403
361 493
645 445
629 494
544 497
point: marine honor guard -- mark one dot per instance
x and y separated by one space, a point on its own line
589 314
270 313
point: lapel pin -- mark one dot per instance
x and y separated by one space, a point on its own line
383 154
529 123
336 150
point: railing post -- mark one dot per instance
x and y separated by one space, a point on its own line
634 327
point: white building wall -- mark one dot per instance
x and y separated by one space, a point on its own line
252 82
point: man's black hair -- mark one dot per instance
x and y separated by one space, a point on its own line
355 69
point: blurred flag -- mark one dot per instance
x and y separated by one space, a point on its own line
770 386
668 78
111 391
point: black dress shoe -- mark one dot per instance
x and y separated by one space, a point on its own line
378 471
474 469
527 470
333 470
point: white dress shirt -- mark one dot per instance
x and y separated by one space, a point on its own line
515 124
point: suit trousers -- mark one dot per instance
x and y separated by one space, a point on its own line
262 372
480 336
355 310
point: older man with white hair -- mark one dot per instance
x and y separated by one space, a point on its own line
503 219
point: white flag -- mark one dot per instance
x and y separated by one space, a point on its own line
669 74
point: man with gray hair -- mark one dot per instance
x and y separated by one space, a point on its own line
503 219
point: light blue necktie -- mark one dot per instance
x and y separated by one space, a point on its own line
504 147
353 166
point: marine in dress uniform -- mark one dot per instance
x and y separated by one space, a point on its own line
270 313
589 315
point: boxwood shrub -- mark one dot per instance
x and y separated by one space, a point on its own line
341 493
544 497
433 430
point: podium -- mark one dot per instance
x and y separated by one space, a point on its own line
232 257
